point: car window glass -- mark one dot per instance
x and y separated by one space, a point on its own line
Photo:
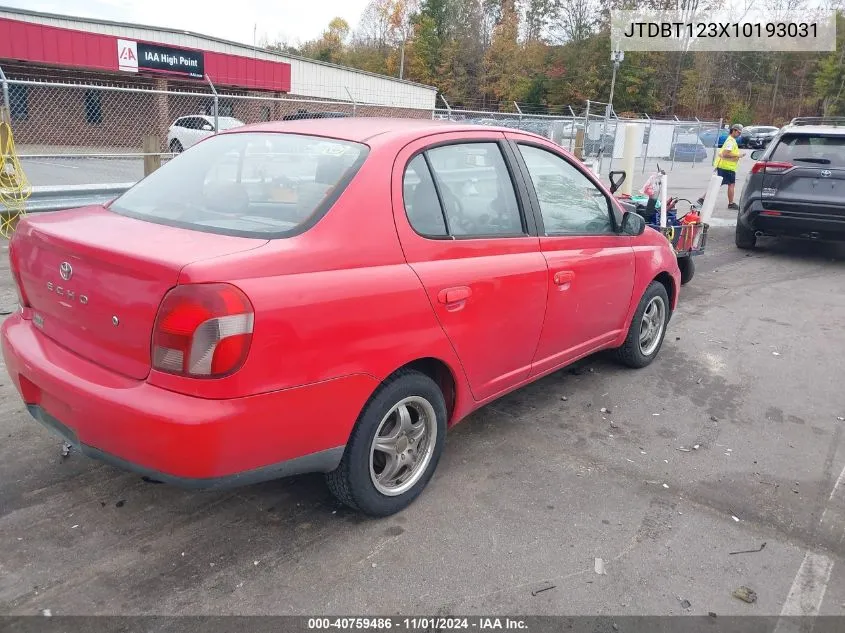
803 149
246 184
476 190
569 202
421 203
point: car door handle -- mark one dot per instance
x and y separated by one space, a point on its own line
454 295
563 277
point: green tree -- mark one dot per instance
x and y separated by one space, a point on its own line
505 75
330 46
423 52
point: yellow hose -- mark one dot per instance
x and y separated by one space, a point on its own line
15 188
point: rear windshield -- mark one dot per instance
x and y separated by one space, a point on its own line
803 149
250 184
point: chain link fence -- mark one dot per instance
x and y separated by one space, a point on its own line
82 133
596 134
85 133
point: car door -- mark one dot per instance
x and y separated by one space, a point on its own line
462 226
590 263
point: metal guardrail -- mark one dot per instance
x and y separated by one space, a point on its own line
56 198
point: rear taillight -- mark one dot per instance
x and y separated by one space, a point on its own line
15 267
770 167
202 331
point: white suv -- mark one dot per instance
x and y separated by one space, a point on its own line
190 130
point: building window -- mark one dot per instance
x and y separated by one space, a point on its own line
93 107
19 102
225 107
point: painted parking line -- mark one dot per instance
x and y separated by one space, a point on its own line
23 159
722 222
806 595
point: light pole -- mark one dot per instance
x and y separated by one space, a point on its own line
616 57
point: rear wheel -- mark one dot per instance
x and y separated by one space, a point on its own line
175 146
648 328
394 447
687 267
745 237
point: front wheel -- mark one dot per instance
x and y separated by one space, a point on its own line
687 268
394 447
648 328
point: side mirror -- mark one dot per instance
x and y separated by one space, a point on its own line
208 127
757 154
633 224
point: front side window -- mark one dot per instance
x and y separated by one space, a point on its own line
569 201
251 184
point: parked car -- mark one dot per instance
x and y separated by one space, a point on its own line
797 186
688 152
217 324
717 138
758 136
187 131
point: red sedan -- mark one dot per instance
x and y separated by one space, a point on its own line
325 296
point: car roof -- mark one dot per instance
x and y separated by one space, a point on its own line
812 130
369 130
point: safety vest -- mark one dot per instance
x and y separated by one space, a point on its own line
726 164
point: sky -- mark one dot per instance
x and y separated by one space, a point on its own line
277 20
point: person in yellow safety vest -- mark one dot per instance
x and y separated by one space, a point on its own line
726 162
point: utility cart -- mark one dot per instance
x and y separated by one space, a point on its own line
687 233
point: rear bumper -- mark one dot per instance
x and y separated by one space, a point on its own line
176 438
811 222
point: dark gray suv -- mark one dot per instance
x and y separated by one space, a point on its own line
797 186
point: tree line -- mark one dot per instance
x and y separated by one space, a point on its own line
547 55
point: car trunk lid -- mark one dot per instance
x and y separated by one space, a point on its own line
807 172
94 279
815 188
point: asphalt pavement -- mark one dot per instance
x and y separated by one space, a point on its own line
55 171
733 438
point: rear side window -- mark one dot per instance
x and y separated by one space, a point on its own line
810 150
252 184
470 187
421 202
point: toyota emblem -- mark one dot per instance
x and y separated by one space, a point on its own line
66 271
825 173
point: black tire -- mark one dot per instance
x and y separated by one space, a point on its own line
631 352
176 147
351 482
687 267
745 237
